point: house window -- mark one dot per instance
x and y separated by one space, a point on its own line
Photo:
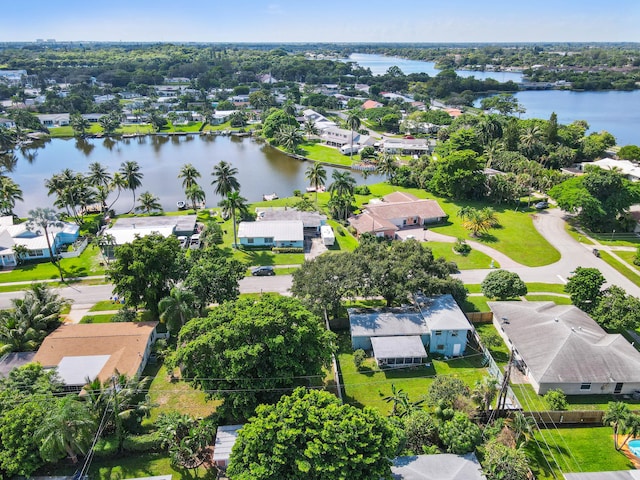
440 347
249 240
454 333
36 253
268 240
585 387
437 332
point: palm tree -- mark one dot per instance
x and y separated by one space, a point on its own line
224 181
99 175
79 124
45 218
177 309
7 140
148 203
521 426
632 428
10 192
130 170
387 166
342 192
289 137
401 406
310 128
491 149
616 416
354 123
477 221
484 392
317 176
67 429
196 194
188 174
118 182
230 205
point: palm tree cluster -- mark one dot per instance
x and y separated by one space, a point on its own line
193 191
75 191
623 421
10 191
317 176
24 326
227 186
478 221
185 437
341 190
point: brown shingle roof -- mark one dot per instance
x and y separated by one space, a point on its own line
125 342
424 209
396 197
367 223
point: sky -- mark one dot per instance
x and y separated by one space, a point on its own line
322 21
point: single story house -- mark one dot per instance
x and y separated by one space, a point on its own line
371 104
226 436
399 336
560 346
54 119
13 360
395 211
276 233
90 351
125 230
311 221
221 116
444 466
33 240
407 146
627 168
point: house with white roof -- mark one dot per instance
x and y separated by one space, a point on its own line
401 336
126 230
560 346
276 233
627 168
54 119
33 240
445 466
226 436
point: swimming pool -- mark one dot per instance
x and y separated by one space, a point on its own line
634 446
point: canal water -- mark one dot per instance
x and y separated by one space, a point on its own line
261 169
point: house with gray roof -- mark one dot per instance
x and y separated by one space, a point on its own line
311 221
560 346
445 466
400 336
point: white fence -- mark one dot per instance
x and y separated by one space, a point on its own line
79 248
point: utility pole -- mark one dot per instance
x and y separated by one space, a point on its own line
116 413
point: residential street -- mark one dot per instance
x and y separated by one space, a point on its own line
549 223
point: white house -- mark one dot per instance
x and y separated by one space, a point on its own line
560 346
277 233
54 119
625 167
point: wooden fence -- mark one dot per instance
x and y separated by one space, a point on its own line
480 317
551 418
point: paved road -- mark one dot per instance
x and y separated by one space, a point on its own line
549 223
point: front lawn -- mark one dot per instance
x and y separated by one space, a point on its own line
621 268
549 298
100 318
574 450
106 305
87 264
345 242
474 260
370 385
324 154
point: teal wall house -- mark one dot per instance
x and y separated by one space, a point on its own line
286 233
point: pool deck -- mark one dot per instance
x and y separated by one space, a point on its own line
632 458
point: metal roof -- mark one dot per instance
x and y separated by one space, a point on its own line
398 347
226 436
279 230
76 370
387 322
309 219
442 312
444 466
562 344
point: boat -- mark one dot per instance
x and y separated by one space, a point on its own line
181 205
267 197
312 189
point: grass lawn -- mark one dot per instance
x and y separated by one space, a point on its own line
345 242
175 396
571 230
100 318
370 385
623 269
546 298
474 260
575 450
221 127
531 401
475 304
628 257
500 351
324 154
516 238
105 306
87 264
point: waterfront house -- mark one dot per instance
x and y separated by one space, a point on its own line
627 168
54 119
560 346
311 221
125 230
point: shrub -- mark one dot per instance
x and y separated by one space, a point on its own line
502 285
362 190
461 247
106 447
287 250
556 400
636 259
460 434
359 356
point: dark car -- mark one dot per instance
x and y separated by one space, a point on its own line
596 252
263 271
542 205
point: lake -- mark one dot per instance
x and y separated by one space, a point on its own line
261 169
618 112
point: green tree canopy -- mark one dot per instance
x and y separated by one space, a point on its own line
616 310
276 121
458 175
312 435
460 434
255 348
502 285
584 288
144 270
504 463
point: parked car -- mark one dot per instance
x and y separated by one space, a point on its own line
263 271
542 205
596 252
194 244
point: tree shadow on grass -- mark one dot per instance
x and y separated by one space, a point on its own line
487 238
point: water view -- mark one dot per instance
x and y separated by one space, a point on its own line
618 112
261 169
